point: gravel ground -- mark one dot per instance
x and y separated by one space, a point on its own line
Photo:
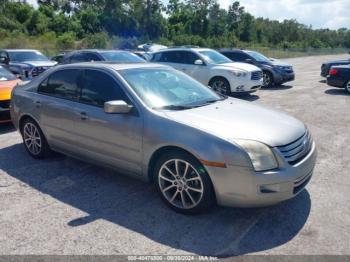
64 206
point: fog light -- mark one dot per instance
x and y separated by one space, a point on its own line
240 88
266 189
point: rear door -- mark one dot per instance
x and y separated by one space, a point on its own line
55 103
170 58
114 139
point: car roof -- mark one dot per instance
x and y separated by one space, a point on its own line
233 50
20 50
97 50
197 49
113 65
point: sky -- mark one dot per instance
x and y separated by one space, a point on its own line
332 14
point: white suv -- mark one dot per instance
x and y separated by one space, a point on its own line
212 68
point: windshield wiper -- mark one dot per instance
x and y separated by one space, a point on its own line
173 107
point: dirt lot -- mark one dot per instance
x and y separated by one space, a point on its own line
64 206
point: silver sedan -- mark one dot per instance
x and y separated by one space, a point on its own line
158 124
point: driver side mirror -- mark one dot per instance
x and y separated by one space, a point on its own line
117 107
249 61
198 62
4 60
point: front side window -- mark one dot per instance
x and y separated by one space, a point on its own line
213 57
99 87
190 57
22 56
238 57
121 56
62 84
167 88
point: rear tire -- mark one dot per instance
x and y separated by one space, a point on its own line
183 183
220 85
34 140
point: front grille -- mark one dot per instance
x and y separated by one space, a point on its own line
38 70
288 69
5 104
257 75
295 151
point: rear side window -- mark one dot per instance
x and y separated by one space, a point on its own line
62 84
99 87
170 57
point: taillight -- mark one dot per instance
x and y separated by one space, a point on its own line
333 72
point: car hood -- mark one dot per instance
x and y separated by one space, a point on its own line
276 62
236 119
6 88
236 65
34 63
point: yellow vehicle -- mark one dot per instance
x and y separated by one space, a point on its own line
7 82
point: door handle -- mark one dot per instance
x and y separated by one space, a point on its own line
37 104
83 116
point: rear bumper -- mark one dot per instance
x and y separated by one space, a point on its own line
5 116
336 82
243 187
5 111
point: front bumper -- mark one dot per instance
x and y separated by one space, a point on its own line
243 187
248 86
283 77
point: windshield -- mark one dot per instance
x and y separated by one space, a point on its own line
213 57
168 89
119 56
27 56
258 57
6 75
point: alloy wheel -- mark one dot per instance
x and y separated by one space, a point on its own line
32 138
180 184
266 79
347 87
220 87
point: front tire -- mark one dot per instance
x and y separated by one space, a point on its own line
347 87
183 183
34 139
267 79
220 85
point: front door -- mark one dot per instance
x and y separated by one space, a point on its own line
114 139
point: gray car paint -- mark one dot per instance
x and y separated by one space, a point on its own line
128 142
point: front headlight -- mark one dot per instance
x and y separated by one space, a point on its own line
238 73
260 154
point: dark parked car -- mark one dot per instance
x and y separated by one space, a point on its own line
328 65
275 72
25 63
101 55
339 76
